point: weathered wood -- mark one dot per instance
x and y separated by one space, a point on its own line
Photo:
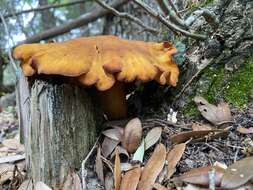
59 123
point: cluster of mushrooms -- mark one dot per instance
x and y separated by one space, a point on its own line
106 62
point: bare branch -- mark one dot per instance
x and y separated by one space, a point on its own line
172 16
9 46
174 8
127 16
167 23
42 8
80 21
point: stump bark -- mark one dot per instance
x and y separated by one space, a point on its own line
58 123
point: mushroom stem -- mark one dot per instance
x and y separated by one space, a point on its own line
113 102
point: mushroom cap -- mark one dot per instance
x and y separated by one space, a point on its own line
101 60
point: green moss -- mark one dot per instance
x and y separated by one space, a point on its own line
239 87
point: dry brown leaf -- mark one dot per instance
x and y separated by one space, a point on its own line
185 136
109 181
152 137
131 178
26 185
72 182
13 144
6 172
41 186
117 171
244 130
114 134
200 127
108 146
200 176
215 114
153 167
99 166
158 186
173 158
238 173
132 135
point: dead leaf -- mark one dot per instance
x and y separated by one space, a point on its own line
244 130
123 154
131 178
99 166
26 185
108 146
185 136
114 134
152 137
158 186
109 181
200 176
153 167
132 135
173 158
215 114
41 186
139 153
13 144
117 171
238 173
72 182
6 172
200 127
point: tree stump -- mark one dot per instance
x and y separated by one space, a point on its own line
58 123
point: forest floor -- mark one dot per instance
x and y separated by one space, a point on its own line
202 150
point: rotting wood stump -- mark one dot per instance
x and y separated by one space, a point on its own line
58 123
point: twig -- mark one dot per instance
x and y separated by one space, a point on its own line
167 23
174 8
9 46
83 170
42 8
193 77
171 14
127 16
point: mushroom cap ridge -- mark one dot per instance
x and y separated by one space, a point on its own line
101 60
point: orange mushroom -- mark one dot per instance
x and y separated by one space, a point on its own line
103 61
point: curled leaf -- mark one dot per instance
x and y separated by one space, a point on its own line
132 135
153 167
114 134
215 114
99 166
108 146
117 171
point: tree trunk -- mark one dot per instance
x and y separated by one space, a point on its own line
59 126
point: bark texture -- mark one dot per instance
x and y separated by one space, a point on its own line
59 124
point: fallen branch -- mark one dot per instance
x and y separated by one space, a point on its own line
45 7
127 16
167 23
82 20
